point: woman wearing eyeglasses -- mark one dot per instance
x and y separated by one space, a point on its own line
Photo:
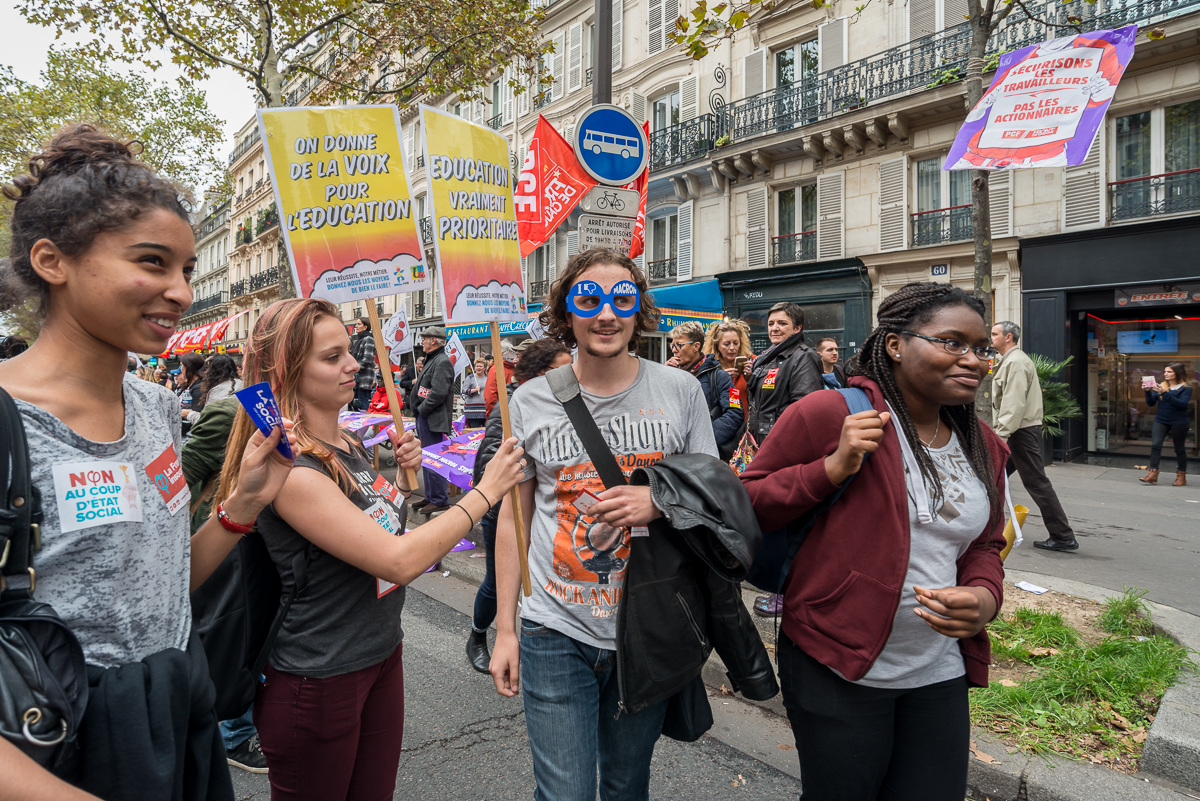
886 602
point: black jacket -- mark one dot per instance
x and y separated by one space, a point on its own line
363 351
493 435
726 420
681 596
432 394
798 372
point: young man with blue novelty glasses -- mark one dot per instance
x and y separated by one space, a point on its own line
578 556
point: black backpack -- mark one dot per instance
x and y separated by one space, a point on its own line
238 612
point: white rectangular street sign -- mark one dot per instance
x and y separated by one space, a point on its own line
611 201
599 231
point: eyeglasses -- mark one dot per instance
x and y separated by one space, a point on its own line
681 345
984 352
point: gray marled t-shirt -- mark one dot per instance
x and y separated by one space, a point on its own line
115 560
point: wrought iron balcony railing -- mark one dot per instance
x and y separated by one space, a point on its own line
421 162
268 277
244 146
942 225
1154 195
682 143
239 288
208 302
494 122
538 290
588 77
543 101
418 311
662 269
794 248
426 226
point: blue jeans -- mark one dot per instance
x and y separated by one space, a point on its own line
437 489
237 731
573 724
485 597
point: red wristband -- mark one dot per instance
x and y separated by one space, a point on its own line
229 525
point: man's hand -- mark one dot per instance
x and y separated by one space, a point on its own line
625 506
506 664
963 611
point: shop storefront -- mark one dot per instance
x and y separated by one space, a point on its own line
835 296
1124 302
699 301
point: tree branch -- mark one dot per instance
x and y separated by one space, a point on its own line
192 43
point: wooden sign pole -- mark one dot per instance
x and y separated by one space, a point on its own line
506 422
389 385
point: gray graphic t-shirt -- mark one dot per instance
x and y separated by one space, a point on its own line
115 558
576 564
915 654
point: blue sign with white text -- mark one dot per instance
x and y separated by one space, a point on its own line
610 145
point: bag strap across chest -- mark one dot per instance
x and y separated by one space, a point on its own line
565 387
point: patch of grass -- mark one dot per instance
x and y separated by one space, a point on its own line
1092 702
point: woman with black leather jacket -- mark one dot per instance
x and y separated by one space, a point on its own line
782 374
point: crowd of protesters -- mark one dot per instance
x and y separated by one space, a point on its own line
612 456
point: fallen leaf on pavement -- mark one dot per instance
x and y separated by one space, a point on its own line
1008 683
1139 735
981 756
725 690
1121 722
783 747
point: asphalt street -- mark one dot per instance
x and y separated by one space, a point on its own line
1130 534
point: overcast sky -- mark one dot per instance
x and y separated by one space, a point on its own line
229 97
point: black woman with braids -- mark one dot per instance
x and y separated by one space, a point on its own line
886 603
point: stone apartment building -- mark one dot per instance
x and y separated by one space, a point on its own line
210 281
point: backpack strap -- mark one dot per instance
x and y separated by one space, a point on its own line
300 563
566 389
20 506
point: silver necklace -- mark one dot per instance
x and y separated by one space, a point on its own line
932 439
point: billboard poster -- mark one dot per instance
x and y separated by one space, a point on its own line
344 205
474 225
1045 104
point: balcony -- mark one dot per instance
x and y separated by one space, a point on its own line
238 289
1154 195
421 162
794 248
426 226
494 122
939 226
682 143
538 290
268 277
543 101
588 77
418 311
207 303
662 269
268 218
245 146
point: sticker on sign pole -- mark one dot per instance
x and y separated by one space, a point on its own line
610 145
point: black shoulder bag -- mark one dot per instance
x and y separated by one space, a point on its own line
43 678
689 714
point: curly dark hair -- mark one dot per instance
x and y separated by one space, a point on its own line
554 311
83 183
536 359
221 370
908 307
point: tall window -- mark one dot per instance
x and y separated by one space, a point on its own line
664 247
943 207
1156 162
796 222
796 63
495 98
665 111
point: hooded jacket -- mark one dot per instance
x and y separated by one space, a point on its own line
782 374
682 597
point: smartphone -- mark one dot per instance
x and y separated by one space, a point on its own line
740 360
1148 382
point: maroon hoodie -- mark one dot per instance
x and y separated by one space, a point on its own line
844 587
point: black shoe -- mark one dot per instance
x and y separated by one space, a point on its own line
248 756
431 510
477 651
419 505
1057 545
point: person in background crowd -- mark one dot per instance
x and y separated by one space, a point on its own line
534 359
729 342
508 357
410 373
1017 401
190 386
565 655
331 709
472 391
107 248
886 602
162 377
432 401
146 373
781 375
1171 397
827 349
687 345
363 348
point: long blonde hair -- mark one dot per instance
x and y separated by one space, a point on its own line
275 353
720 329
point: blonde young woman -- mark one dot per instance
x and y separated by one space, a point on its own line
729 342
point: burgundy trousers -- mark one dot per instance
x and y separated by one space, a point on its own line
335 738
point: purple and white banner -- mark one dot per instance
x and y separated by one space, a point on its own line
1045 104
454 458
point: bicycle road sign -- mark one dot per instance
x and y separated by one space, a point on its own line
610 145
603 231
610 200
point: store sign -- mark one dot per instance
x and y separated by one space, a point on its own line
1158 295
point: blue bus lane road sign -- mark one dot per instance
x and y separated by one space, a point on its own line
611 145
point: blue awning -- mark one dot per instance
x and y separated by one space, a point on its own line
704 296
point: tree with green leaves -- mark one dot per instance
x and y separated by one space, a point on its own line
361 50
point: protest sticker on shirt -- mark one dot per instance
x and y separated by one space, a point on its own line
769 381
96 493
423 392
735 398
167 476
386 488
386 519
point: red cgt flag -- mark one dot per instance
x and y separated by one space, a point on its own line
551 185
641 183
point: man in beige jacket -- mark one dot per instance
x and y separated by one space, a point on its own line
1017 399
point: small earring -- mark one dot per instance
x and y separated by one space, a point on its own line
896 356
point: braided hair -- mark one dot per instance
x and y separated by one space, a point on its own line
911 306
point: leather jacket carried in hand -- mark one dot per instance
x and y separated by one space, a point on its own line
681 598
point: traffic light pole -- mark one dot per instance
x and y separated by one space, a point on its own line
602 58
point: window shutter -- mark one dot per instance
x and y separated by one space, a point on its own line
507 103
956 12
1083 188
569 134
754 73
922 18
560 46
408 146
478 105
831 43
523 104
575 57
757 233
683 253
689 98
638 108
572 244
524 279
552 257
654 36
1000 199
831 223
893 204
618 28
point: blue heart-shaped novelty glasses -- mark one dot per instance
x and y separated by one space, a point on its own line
587 298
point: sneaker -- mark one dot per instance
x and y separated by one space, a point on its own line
248 756
768 605
1057 545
